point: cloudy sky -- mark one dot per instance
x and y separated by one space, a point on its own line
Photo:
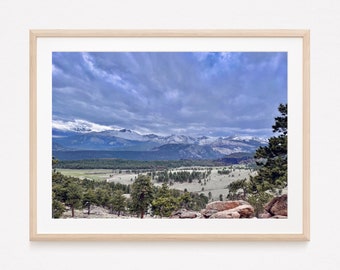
207 93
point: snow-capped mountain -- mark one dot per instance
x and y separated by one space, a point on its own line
78 126
80 135
126 134
179 139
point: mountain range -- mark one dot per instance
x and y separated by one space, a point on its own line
83 143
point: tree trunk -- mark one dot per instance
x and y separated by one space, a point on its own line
88 209
142 213
72 209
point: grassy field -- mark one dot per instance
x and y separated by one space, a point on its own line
93 174
215 183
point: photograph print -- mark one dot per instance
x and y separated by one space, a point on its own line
169 135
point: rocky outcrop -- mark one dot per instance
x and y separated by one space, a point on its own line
242 211
276 208
228 209
222 205
208 212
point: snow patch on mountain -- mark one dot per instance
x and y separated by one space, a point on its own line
126 134
248 139
228 151
79 126
179 139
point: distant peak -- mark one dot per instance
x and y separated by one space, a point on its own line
79 126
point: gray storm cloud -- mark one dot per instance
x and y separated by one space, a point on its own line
164 93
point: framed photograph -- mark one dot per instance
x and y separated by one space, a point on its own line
169 135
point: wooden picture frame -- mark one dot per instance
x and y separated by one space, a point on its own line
42 42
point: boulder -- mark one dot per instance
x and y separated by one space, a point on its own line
235 215
188 214
222 205
245 211
207 213
265 215
277 206
184 213
222 214
177 213
241 211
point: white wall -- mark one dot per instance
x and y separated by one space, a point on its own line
17 17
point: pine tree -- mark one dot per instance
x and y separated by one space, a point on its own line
164 202
58 208
141 194
118 201
271 176
89 199
74 195
272 159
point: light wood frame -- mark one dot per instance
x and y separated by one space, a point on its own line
303 34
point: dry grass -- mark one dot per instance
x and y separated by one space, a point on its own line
215 183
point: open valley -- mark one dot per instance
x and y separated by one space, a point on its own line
214 183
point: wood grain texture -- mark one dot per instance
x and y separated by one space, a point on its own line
168 33
169 237
33 135
270 33
306 134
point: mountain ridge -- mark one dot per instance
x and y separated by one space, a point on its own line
127 143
